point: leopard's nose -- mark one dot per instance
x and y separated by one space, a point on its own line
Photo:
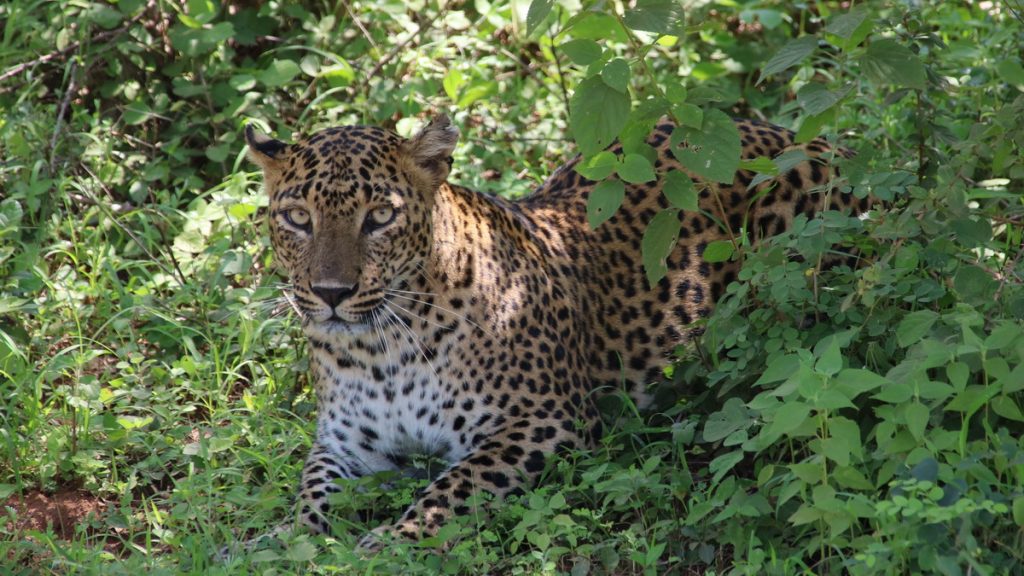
334 294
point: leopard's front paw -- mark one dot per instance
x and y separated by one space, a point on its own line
373 541
381 535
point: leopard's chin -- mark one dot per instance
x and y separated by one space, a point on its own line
337 327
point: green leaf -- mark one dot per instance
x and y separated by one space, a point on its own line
793 53
539 10
926 470
194 42
689 115
970 399
678 188
478 89
1018 511
815 98
675 92
242 82
916 416
723 464
761 165
453 81
582 51
604 200
636 169
302 551
106 17
616 74
895 393
597 112
218 152
779 369
203 11
718 251
713 152
811 126
831 360
804 515
974 283
850 477
789 417
657 243
844 25
133 422
265 556
1012 72
972 233
599 166
658 16
914 326
279 73
137 113
887 62
855 381
733 416
1007 408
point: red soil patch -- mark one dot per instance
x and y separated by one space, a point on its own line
63 510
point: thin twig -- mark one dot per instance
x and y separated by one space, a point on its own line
1007 274
359 24
558 67
76 44
61 110
176 272
401 45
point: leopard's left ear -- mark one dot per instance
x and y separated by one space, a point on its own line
263 149
431 149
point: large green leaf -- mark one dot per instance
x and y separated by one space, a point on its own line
815 98
538 11
889 63
793 53
616 74
604 200
279 73
659 239
658 16
636 169
581 51
713 151
679 189
914 326
597 112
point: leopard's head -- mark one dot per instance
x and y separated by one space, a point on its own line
351 214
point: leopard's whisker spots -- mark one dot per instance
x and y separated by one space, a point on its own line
412 338
397 294
291 302
413 314
378 326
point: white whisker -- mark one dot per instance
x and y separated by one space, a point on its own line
437 306
413 339
413 314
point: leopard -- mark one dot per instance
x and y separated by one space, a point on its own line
482 330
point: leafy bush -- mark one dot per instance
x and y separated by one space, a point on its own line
833 418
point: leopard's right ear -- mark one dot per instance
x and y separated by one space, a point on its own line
263 149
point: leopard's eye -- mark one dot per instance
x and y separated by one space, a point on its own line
379 217
297 217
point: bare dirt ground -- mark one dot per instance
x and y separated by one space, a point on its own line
63 510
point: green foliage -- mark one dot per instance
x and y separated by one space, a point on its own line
863 419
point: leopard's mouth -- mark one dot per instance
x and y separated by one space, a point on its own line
336 325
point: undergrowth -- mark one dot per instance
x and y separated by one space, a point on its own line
833 418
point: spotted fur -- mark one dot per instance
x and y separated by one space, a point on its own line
476 329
